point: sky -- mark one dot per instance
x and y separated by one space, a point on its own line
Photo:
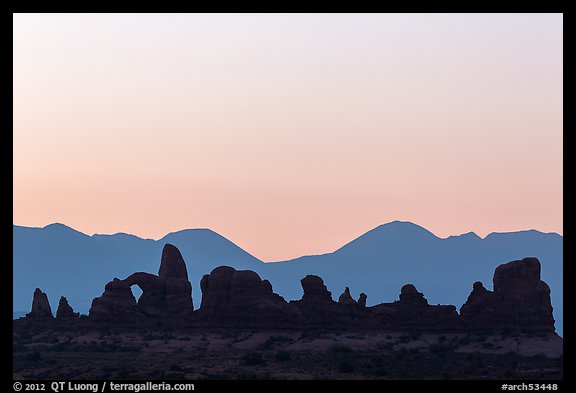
289 134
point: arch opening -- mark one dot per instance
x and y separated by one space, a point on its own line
136 292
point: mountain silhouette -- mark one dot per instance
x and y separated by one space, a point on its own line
65 262
380 261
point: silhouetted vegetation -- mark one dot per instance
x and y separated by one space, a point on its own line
45 354
253 358
345 367
339 348
282 356
33 356
438 348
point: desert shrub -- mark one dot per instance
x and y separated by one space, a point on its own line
478 363
265 346
282 356
464 340
378 361
281 339
33 356
408 351
173 375
18 347
61 347
381 371
111 347
25 334
387 346
345 367
339 348
124 373
269 343
438 348
468 370
244 375
253 358
356 337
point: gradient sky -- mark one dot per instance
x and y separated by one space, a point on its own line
288 134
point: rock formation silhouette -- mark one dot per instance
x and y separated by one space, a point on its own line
414 312
169 294
314 290
40 306
317 310
520 300
362 299
65 310
346 298
241 299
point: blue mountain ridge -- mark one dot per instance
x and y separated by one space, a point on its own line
65 262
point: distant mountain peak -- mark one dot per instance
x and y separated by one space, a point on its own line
527 232
399 224
59 227
206 238
56 225
118 235
402 227
395 232
467 235
193 231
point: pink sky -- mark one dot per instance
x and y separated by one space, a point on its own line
288 134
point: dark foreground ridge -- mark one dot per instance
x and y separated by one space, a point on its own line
241 299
